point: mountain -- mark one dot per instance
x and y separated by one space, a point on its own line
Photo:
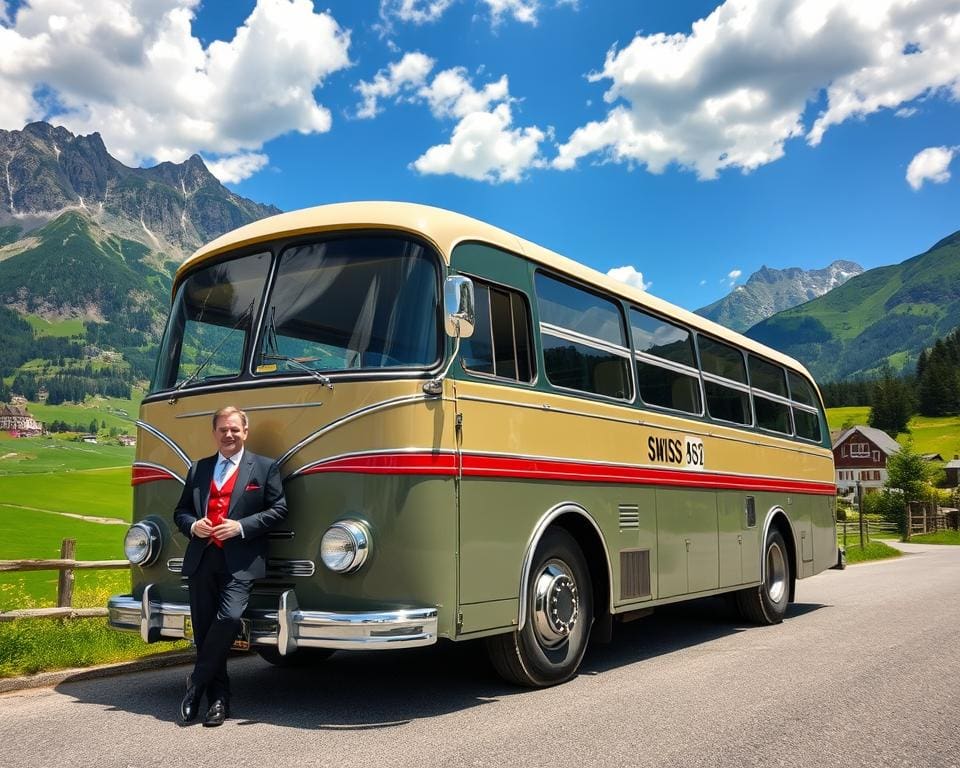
170 208
885 315
769 291
85 238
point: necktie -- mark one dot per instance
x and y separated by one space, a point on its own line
222 472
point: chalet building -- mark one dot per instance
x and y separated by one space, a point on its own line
953 472
127 440
861 453
16 418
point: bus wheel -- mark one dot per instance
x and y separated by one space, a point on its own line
767 603
559 602
305 657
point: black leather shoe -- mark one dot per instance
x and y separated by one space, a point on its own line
218 712
190 706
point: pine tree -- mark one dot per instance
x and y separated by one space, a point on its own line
891 405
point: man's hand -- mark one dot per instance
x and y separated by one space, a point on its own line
227 530
202 528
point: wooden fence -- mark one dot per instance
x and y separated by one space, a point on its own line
927 517
848 531
66 565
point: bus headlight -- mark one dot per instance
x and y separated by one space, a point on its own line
141 545
345 546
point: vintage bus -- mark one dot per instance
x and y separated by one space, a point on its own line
478 438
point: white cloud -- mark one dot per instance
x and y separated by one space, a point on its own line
484 144
733 91
630 276
931 164
733 275
484 147
429 11
401 76
451 94
413 11
136 73
236 168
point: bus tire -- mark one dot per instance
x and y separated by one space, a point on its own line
559 601
305 657
767 604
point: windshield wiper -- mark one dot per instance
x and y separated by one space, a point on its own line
206 361
273 346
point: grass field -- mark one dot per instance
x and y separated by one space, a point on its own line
43 455
40 477
873 550
940 537
101 410
67 328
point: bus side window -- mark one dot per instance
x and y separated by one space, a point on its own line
667 374
500 345
725 381
806 412
584 340
770 396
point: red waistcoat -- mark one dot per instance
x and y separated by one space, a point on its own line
219 503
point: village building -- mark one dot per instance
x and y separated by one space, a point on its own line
16 419
127 440
953 472
861 453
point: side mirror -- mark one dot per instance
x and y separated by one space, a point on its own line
459 317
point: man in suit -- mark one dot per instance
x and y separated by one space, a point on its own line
229 502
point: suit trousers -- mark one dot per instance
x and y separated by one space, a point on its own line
217 601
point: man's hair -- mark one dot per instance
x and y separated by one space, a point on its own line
229 410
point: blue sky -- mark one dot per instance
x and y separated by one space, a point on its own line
692 141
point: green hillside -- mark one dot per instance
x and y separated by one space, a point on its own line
886 315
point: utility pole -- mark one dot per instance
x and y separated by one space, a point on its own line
860 510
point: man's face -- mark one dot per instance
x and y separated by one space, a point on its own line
230 434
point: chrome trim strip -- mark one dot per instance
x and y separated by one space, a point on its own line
194 414
151 465
167 441
353 415
552 514
644 423
581 338
670 365
288 627
277 568
762 393
723 381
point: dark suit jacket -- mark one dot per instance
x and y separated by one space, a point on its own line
257 503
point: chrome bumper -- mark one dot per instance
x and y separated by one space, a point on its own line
286 628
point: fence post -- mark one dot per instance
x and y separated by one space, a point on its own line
68 548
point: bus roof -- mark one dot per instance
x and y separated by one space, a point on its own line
446 229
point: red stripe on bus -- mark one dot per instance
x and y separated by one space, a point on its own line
391 464
143 475
505 467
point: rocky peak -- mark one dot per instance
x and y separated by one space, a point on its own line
48 170
768 291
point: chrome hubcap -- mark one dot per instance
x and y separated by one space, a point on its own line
556 604
776 573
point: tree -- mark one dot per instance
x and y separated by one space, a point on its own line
892 404
93 427
908 473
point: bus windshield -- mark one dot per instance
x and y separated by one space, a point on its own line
359 302
364 302
211 321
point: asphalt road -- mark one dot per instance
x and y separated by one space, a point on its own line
865 671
